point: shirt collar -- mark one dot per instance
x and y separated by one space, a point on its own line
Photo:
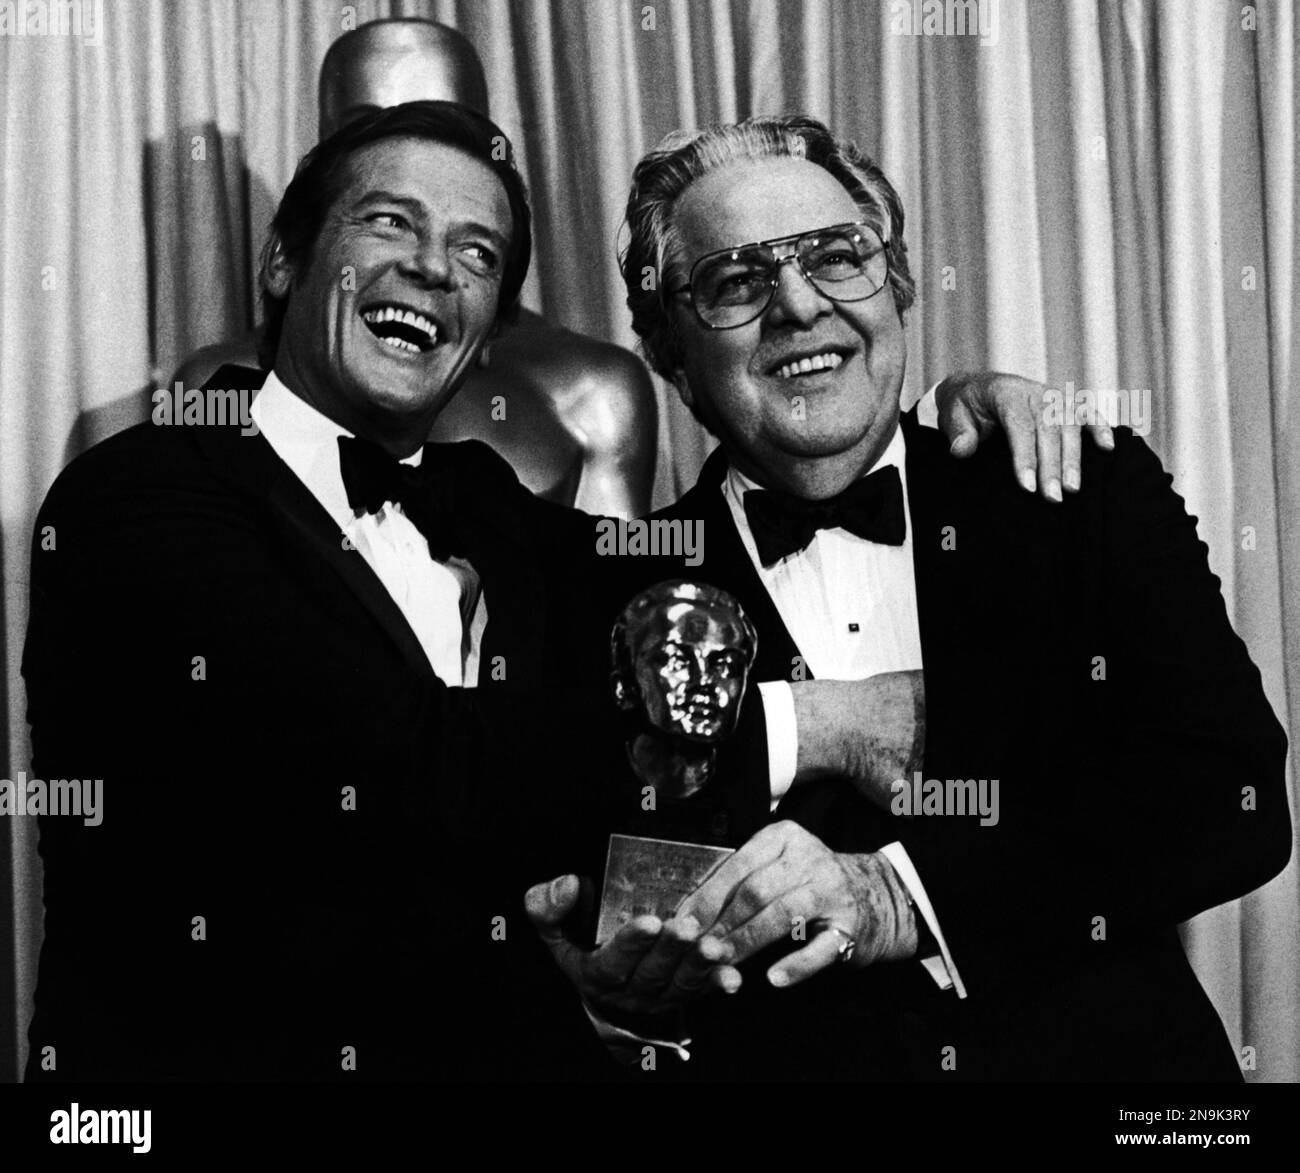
307 441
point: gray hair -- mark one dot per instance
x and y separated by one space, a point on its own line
682 157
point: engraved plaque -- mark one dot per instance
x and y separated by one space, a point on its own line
651 877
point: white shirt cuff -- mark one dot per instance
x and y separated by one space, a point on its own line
617 1039
782 736
941 968
927 408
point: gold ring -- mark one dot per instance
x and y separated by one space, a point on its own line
847 946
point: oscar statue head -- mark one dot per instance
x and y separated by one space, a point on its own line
681 653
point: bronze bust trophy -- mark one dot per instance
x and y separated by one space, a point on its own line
681 655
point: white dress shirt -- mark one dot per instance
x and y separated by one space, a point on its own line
850 607
442 601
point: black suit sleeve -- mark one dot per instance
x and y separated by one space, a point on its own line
1161 799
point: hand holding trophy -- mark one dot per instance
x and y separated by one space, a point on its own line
682 652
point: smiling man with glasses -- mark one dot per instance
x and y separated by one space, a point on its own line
921 619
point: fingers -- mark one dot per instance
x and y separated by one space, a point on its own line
680 965
1102 435
703 966
1020 423
645 963
670 951
1071 442
711 897
609 968
547 905
780 920
787 904
763 889
820 953
727 978
612 966
1050 440
782 878
959 426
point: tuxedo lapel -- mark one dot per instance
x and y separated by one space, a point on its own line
936 555
250 464
305 522
502 546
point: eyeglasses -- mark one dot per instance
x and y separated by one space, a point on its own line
734 286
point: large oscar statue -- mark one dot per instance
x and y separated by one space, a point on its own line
681 655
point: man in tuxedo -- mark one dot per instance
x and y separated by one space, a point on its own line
572 415
1061 748
313 836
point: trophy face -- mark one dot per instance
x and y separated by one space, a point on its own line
690 665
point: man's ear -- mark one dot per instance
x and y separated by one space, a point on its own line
277 272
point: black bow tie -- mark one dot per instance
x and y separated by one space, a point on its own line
372 477
871 507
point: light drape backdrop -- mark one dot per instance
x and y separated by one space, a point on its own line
1106 196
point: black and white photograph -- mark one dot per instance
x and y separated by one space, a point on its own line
655 559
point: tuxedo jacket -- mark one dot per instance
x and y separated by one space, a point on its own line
308 843
1080 654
